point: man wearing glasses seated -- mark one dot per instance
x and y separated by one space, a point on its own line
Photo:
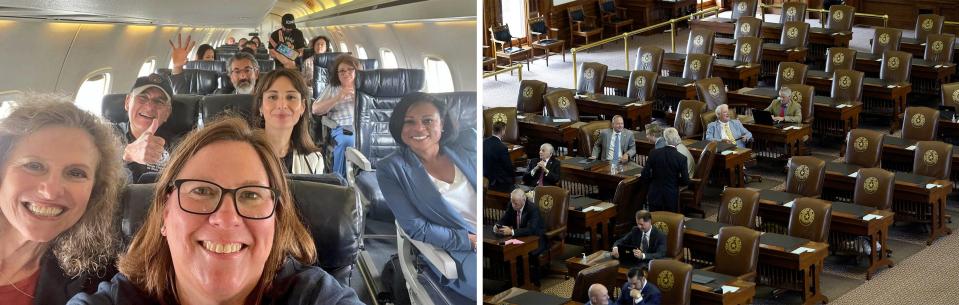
148 106
243 72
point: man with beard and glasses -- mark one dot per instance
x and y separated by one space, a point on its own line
243 70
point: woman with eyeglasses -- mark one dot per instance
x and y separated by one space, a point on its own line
61 179
222 229
338 101
431 183
279 103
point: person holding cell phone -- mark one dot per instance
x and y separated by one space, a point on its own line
338 101
524 220
145 146
287 43
648 242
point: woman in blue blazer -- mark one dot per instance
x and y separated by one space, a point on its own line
431 183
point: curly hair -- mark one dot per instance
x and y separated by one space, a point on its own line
92 244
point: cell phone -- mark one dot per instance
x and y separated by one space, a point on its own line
498 226
286 51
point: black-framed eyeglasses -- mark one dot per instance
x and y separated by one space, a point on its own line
204 198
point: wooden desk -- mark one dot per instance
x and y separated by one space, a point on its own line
728 168
821 39
669 90
676 8
948 130
502 297
844 225
636 113
808 265
830 120
701 294
724 26
926 76
547 46
774 53
896 157
516 53
512 254
539 129
736 74
601 174
598 224
767 140
878 97
912 201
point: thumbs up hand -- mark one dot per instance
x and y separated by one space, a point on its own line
147 149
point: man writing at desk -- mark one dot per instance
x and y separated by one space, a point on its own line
615 144
543 171
524 220
790 111
726 129
649 242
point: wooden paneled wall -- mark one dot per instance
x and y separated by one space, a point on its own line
903 13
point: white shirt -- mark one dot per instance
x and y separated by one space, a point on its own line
610 154
460 194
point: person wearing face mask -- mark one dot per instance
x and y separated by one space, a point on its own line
338 101
430 181
58 198
290 36
279 103
146 145
637 290
222 228
243 72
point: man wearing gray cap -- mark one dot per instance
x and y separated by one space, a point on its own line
287 38
148 106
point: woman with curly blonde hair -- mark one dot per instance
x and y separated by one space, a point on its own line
60 176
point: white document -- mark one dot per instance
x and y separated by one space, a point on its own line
879 59
932 185
790 204
842 106
791 127
727 152
801 250
520 117
689 84
891 86
562 120
854 174
869 217
911 147
728 289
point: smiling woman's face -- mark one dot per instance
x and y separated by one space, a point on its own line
422 127
47 180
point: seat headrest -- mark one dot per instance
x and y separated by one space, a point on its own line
218 66
197 82
183 117
266 65
389 82
326 59
214 105
112 108
369 64
134 205
461 107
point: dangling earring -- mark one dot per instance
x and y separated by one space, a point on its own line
163 230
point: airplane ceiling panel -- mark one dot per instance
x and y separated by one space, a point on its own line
218 13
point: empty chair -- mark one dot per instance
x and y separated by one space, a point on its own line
195 81
588 134
836 58
687 120
562 104
793 11
691 198
582 25
460 105
840 18
747 26
266 65
642 85
932 159
214 105
886 39
649 58
795 35
737 252
553 203
624 201
896 66
805 176
698 66
712 91
739 207
749 50
950 95
217 66
847 86
530 99
790 73
700 41
614 17
502 114
874 188
592 76
809 218
863 147
743 8
674 280
671 224
927 24
369 63
939 48
920 123
603 273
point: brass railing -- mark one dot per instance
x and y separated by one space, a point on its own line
625 37
517 66
885 18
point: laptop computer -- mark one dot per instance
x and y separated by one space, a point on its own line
763 117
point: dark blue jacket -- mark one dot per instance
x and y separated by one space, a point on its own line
651 295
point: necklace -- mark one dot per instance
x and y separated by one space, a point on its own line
18 288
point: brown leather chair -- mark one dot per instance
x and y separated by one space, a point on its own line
690 199
530 99
562 104
809 218
592 75
793 11
674 280
671 224
805 177
614 17
749 49
589 133
743 8
642 85
698 66
700 41
504 114
602 273
847 86
553 203
840 17
748 26
739 207
933 159
920 123
790 73
626 205
712 91
840 58
688 116
886 39
581 25
794 35
927 24
895 67
874 188
950 94
863 148
804 95
939 48
649 58
737 252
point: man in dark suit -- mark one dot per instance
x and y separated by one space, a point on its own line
649 242
524 219
666 169
637 290
497 166
542 171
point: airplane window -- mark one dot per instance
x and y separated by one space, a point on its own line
147 67
360 52
514 16
343 47
90 95
438 76
388 59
